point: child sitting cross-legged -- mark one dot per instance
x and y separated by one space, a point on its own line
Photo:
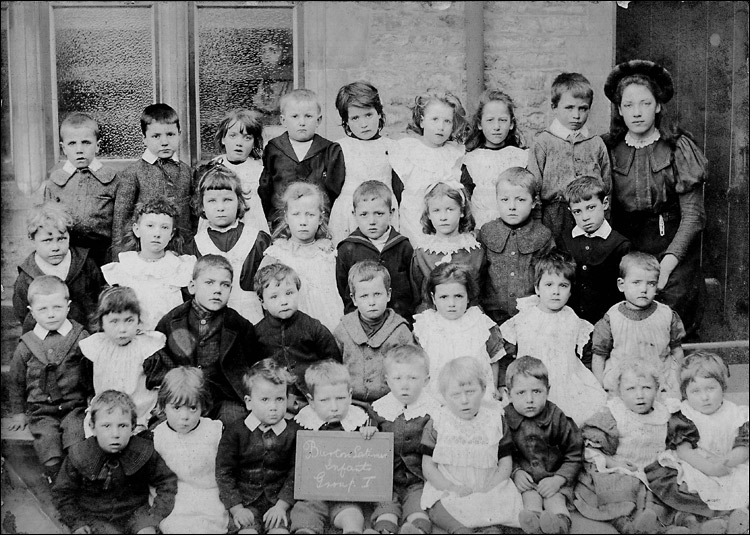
104 483
255 462
367 333
548 449
329 391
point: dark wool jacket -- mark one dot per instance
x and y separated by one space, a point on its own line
548 444
296 343
407 447
250 464
33 372
508 274
239 348
395 256
84 280
323 165
83 494
89 197
597 268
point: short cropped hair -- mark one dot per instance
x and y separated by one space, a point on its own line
641 260
406 354
371 190
555 262
362 94
269 370
703 364
365 271
79 120
115 300
50 213
212 261
528 366
461 370
447 273
47 285
184 385
274 273
159 113
520 176
326 372
585 188
574 82
640 368
298 95
111 400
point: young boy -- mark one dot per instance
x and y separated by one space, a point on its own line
86 186
47 227
255 461
286 334
48 385
639 327
363 336
103 486
404 411
206 333
329 388
375 239
299 153
511 242
548 449
159 173
566 150
596 248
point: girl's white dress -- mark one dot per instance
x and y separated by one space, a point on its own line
157 284
364 160
192 457
315 263
419 166
466 452
556 338
484 166
246 302
249 174
120 368
717 435
445 340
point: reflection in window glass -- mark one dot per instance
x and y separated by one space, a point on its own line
6 158
105 68
244 61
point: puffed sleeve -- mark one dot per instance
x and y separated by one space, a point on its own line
741 440
494 344
600 432
681 429
429 438
676 331
690 164
601 339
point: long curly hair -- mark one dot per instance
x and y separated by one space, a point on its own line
476 136
460 124
157 205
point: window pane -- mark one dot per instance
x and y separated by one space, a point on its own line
105 68
244 61
6 157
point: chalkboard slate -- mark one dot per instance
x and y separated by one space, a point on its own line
343 467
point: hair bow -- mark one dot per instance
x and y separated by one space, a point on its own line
452 183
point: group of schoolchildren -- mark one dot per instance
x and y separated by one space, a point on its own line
470 303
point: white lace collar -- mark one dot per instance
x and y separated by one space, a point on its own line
432 243
638 143
390 408
353 420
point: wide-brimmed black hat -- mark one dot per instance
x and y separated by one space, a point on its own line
656 72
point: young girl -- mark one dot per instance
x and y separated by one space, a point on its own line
438 118
152 263
302 242
468 467
625 436
705 468
117 352
219 199
657 185
188 444
494 145
447 223
449 330
549 330
240 138
365 153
